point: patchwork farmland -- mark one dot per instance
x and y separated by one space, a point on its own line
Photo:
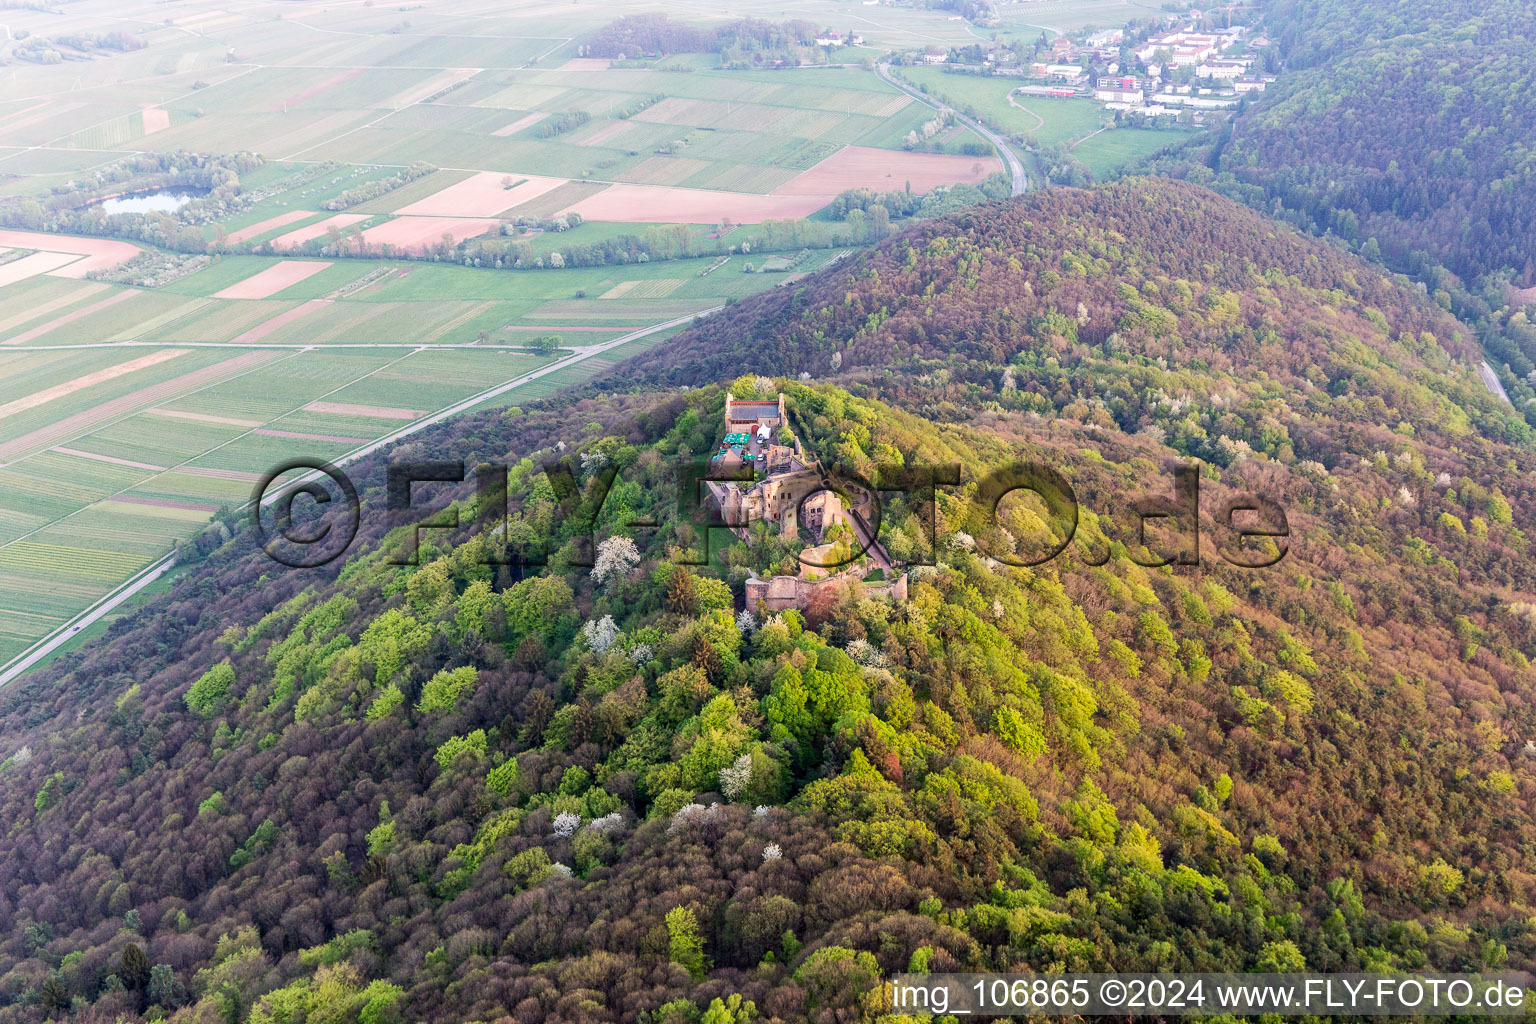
129 417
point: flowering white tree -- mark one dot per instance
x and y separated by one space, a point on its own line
566 824
773 851
736 777
593 461
746 622
616 558
690 812
641 653
600 633
865 653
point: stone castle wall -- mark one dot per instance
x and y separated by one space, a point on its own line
778 593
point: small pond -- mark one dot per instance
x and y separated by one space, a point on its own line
153 200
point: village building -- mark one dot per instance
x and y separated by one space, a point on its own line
1119 95
1222 70
748 416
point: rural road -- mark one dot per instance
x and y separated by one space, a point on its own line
149 574
1491 379
1020 181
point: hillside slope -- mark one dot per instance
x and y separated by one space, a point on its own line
443 792
1401 128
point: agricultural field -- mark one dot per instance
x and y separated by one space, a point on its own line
1111 150
160 447
129 417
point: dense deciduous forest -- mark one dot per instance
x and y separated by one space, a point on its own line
605 791
1403 122
1403 130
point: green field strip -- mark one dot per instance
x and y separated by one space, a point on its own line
256 453
115 133
157 440
227 402
26 373
646 311
64 162
258 90
280 387
150 509
349 322
411 192
69 475
314 194
41 561
24 304
338 426
739 178
271 132
123 527
430 282
92 396
489 318
436 378
191 487
114 321
17 625
223 320
266 209
1109 151
47 507
60 597
509 155
368 89
16 523
444 117
154 323
337 275
220 274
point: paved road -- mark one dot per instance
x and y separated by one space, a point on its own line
1020 180
1491 379
66 632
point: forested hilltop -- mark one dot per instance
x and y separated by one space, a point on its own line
444 792
1406 122
1403 128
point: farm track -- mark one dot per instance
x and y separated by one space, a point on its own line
1019 106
